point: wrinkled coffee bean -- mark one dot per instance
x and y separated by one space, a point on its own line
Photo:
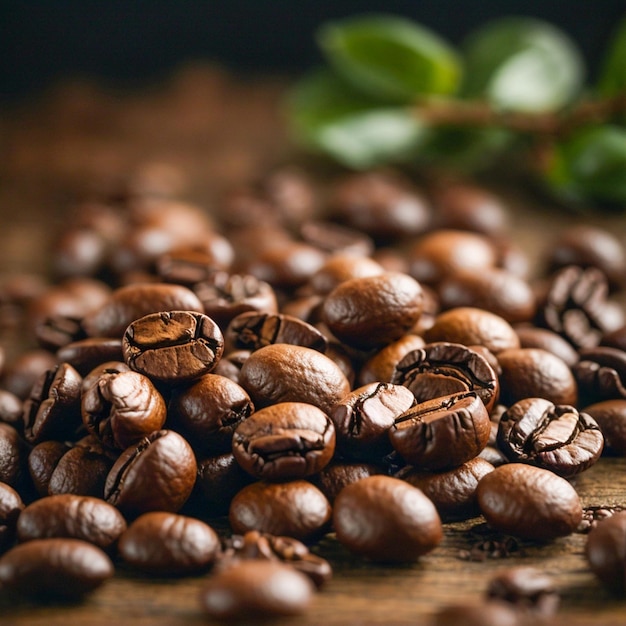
555 437
529 502
256 589
284 441
442 433
169 544
173 346
605 551
610 415
11 507
601 374
54 568
73 517
386 519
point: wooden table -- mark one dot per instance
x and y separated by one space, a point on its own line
224 131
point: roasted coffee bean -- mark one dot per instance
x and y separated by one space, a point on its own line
528 589
529 502
42 461
53 407
386 519
80 251
13 454
442 433
335 238
230 364
209 411
11 409
54 569
256 589
296 509
169 544
338 474
284 441
158 473
57 331
555 437
453 492
11 507
173 346
610 415
544 339
442 368
605 551
219 479
86 354
380 204
256 545
253 330
121 408
615 338
287 373
486 613
22 373
73 517
131 302
471 326
532 372
371 311
186 266
380 367
363 418
341 267
109 367
601 374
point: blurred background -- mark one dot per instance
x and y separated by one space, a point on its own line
126 42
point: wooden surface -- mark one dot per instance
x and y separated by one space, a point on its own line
223 131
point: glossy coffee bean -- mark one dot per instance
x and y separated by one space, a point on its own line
443 368
158 473
208 411
386 519
10 409
41 462
605 552
121 408
256 589
442 433
341 267
73 517
25 370
371 311
380 366
11 507
363 418
529 502
296 509
284 441
615 338
336 239
544 339
131 302
13 455
472 326
453 492
339 473
54 568
610 415
287 373
555 437
601 374
86 354
169 544
532 372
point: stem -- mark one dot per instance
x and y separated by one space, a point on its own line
481 114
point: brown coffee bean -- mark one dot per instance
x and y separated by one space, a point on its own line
10 409
544 339
187 266
169 544
380 367
13 455
529 502
341 267
22 373
336 239
11 507
610 415
42 460
74 517
86 354
601 374
605 551
338 474
491 613
54 568
386 519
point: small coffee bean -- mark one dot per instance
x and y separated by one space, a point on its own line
187 266
42 460
386 519
256 589
380 366
73 517
529 502
169 544
296 509
601 374
555 437
605 551
54 568
284 441
610 415
11 507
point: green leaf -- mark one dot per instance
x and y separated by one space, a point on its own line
612 79
329 116
523 64
591 165
391 58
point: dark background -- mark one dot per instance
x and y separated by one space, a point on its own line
137 41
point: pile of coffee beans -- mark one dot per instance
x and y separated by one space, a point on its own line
361 359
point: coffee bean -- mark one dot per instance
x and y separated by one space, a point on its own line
22 373
54 569
336 239
13 454
338 474
544 339
610 415
186 266
42 461
11 507
73 517
381 365
10 409
256 589
86 354
491 613
601 374
529 502
284 441
386 519
555 437
169 544
605 549
57 331
341 267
